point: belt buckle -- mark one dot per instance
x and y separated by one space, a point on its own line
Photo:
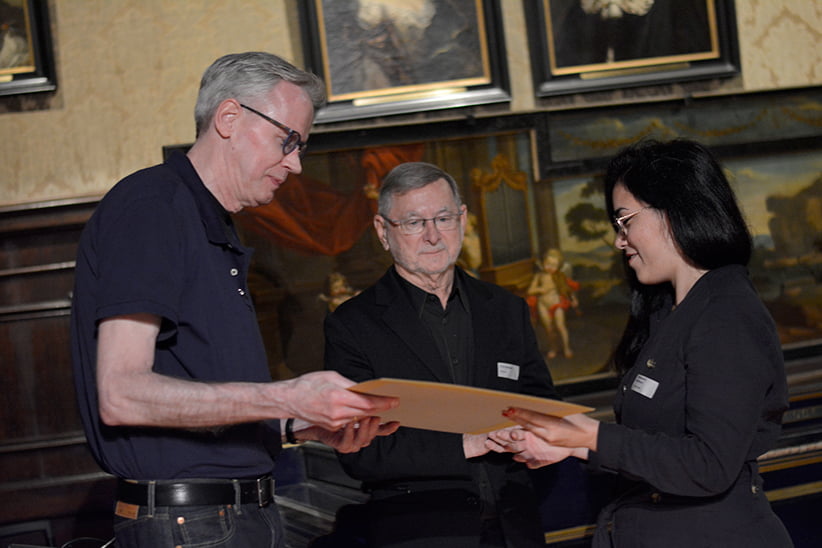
261 484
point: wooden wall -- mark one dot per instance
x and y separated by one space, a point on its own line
46 470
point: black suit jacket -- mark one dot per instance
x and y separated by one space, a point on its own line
379 334
702 402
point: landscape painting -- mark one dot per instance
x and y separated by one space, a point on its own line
781 196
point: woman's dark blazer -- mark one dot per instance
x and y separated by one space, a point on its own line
703 400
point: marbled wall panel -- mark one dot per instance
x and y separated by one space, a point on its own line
780 43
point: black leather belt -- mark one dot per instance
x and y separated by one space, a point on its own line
197 493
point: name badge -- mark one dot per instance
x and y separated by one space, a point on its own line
507 371
645 386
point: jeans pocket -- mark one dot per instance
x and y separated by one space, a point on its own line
142 531
201 526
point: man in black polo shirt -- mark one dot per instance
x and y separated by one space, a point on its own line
170 369
427 319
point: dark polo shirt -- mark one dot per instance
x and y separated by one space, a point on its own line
160 243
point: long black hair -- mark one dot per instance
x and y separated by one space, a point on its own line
682 179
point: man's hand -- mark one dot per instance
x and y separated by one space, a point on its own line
526 447
322 398
474 445
352 437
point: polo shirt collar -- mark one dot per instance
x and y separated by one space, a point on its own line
216 219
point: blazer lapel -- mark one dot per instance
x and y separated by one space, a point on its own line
401 318
484 322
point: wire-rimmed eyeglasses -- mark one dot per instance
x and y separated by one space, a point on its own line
293 139
444 222
619 222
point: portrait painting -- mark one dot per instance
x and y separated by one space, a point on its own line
389 56
589 35
374 47
583 45
16 51
26 57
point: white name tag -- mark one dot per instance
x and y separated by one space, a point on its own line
645 386
507 371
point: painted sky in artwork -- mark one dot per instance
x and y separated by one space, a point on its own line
754 179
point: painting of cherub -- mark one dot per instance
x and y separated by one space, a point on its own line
555 293
339 291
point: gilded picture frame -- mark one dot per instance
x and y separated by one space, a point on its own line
26 55
380 59
587 45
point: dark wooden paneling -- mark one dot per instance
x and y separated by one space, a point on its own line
38 387
46 470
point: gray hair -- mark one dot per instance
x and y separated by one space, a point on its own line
411 176
244 76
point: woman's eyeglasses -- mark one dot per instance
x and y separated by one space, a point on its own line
619 222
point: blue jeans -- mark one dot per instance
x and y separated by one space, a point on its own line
226 526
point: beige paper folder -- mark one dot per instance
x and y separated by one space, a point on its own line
456 408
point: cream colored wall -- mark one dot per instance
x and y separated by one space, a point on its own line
128 73
780 43
128 77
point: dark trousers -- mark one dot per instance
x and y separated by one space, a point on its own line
223 526
431 519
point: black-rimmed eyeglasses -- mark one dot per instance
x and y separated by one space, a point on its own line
293 139
446 221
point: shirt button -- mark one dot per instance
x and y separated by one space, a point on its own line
241 291
234 271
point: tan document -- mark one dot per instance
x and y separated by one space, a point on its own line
456 408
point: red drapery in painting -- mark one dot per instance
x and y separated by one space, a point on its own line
310 216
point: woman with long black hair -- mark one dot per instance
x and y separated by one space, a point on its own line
703 385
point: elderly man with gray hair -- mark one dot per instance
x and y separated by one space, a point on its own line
427 319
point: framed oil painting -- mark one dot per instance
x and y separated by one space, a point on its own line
534 192
577 242
386 57
593 45
315 245
780 193
26 57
